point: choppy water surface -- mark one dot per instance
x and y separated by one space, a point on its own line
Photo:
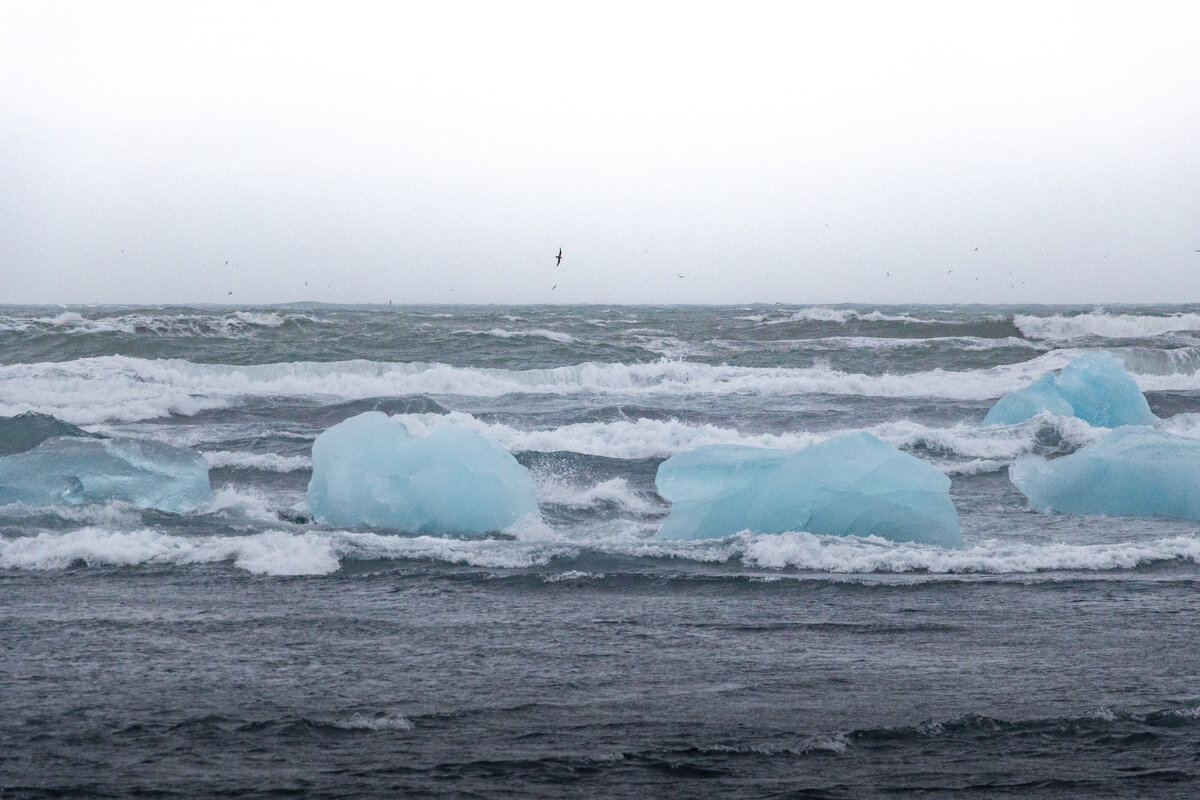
244 650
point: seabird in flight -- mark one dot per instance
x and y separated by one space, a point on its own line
559 259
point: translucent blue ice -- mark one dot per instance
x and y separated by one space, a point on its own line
1131 472
852 485
1095 388
368 470
74 471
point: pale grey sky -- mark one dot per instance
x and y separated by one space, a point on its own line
443 152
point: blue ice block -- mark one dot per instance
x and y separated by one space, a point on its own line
368 470
1133 471
853 485
72 470
1095 388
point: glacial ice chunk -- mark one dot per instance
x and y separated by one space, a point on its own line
853 485
1094 387
368 470
26 431
73 470
1133 471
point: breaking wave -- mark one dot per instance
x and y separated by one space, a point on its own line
126 389
278 552
841 315
233 324
651 438
540 333
1099 323
267 462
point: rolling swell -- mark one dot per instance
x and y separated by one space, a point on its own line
246 649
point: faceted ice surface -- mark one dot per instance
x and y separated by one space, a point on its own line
75 471
1131 472
1095 388
368 470
853 485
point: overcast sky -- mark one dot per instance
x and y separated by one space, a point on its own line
444 152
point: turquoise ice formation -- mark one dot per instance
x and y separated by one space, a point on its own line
1095 388
368 470
1133 471
71 470
853 485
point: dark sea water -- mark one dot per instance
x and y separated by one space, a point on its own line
244 650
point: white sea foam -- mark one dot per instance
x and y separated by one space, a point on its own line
123 389
841 315
650 438
1103 324
962 343
268 462
615 491
805 551
375 722
538 333
218 324
279 552
120 388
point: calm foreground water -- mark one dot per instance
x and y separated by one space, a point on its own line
243 650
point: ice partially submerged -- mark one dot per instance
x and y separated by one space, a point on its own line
1094 387
1133 471
368 470
26 431
73 470
852 485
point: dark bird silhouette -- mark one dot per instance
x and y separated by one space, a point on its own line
681 276
558 260
555 286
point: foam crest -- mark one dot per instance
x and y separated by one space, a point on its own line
650 438
1099 323
805 551
120 388
538 333
234 324
277 552
615 491
841 315
267 553
266 462
374 722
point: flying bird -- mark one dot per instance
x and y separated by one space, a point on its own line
558 260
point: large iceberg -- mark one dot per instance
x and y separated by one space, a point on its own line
1095 388
853 485
74 470
368 470
1132 471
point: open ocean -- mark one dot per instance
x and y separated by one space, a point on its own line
244 651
